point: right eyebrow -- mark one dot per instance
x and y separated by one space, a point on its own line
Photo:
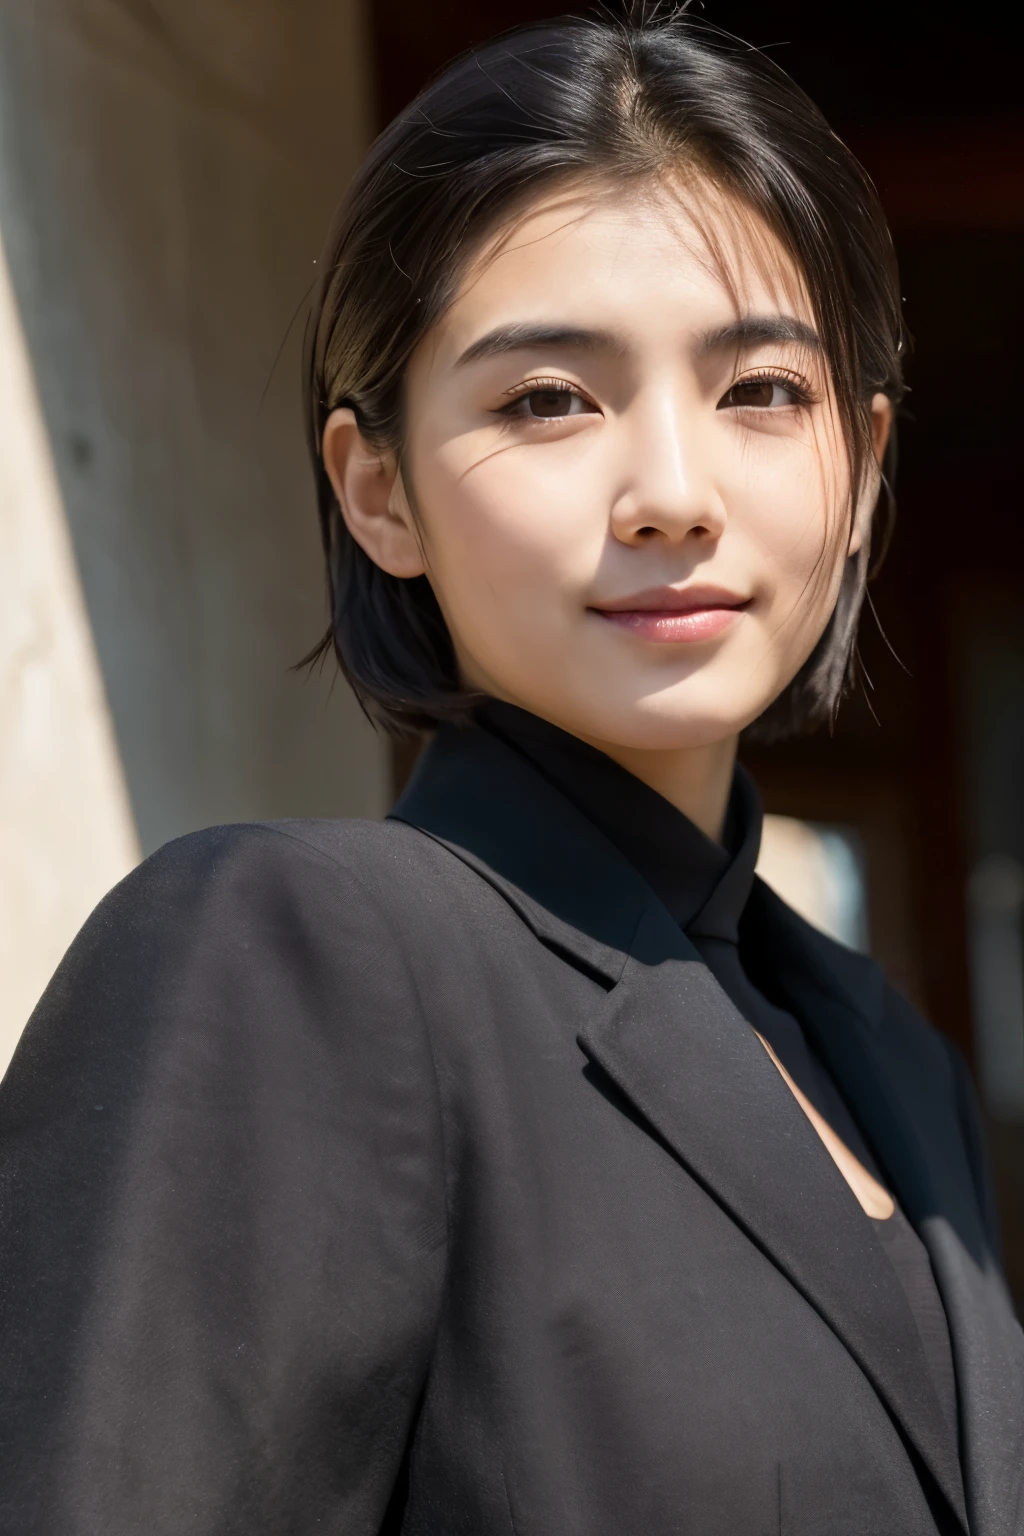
749 330
523 336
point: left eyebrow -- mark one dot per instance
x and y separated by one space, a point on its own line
750 330
523 337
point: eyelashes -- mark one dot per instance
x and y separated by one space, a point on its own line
555 399
759 392
549 400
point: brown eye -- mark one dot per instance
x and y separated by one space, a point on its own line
550 402
759 394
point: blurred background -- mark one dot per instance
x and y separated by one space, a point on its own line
167 172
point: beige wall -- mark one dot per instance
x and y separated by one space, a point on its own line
166 174
66 828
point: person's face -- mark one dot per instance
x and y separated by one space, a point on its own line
629 484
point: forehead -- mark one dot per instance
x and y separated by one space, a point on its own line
663 260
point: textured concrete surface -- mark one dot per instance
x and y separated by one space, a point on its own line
167 171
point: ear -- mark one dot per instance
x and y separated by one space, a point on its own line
881 426
372 498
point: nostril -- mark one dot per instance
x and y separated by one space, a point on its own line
697 530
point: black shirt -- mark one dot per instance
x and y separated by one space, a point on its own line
705 887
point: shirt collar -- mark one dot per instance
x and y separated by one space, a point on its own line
704 884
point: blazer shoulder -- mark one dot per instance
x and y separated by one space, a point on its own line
294 862
329 897
350 844
256 933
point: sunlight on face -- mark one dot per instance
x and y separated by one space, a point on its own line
627 473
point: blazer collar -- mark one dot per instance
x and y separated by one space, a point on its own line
501 816
704 885
677 1047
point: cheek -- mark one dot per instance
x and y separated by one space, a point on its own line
788 505
509 531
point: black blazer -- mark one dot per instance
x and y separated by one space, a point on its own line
419 1177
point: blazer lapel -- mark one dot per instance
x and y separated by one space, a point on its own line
675 1045
904 1107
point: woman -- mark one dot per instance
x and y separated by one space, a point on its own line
522 1164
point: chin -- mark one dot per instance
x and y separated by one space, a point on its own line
678 719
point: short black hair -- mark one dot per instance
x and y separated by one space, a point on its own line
574 100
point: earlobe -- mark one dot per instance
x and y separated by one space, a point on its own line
371 496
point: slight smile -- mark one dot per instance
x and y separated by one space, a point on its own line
673 616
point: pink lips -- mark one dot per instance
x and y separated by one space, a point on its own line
675 616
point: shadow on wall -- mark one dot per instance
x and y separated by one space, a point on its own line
65 821
167 175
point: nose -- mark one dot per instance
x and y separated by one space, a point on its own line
667 490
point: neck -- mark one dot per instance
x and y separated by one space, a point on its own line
696 780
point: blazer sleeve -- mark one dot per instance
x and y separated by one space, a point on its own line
222 1214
